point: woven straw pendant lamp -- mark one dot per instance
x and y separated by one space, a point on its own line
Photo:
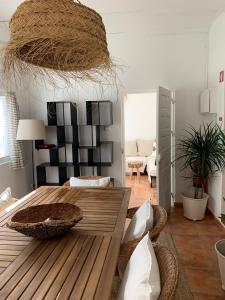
62 36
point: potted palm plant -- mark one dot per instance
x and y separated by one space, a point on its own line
202 152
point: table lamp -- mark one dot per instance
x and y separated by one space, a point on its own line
31 130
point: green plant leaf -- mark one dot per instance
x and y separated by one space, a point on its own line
202 150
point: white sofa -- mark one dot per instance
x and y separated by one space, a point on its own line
140 150
151 166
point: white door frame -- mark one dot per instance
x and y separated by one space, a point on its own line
173 146
124 94
145 91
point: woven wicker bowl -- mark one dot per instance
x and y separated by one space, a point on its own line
46 221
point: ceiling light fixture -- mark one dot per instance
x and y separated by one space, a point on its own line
60 37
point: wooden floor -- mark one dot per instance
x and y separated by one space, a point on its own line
194 242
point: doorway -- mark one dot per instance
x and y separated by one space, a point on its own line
140 116
149 139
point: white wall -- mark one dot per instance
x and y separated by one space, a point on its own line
217 64
174 60
140 116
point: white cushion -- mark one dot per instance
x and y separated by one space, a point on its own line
141 280
141 222
77 182
151 163
104 181
145 147
131 148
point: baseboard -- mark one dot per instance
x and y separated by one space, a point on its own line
221 222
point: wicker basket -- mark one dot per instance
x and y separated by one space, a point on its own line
60 35
46 221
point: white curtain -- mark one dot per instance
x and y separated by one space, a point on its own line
15 147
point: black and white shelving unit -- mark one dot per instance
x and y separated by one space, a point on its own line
79 148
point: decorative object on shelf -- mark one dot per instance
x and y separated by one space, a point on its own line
79 149
47 220
202 151
60 37
46 146
31 130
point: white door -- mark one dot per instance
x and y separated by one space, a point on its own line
163 136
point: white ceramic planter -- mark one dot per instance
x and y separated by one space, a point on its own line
220 250
194 209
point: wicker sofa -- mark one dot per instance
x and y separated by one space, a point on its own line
168 269
160 219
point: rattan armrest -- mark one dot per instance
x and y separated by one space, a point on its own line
131 212
127 248
168 268
160 220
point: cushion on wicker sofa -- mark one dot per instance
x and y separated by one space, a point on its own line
131 148
145 147
141 222
141 280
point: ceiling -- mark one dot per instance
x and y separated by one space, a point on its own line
191 14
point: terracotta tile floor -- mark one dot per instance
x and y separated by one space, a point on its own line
194 242
141 190
195 245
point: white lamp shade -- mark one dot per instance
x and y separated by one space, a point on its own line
31 130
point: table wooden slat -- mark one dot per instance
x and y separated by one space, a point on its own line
78 265
105 282
92 283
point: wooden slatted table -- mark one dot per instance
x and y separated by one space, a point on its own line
78 265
